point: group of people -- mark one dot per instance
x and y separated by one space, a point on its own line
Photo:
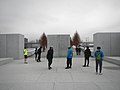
98 58
87 53
38 54
49 56
78 50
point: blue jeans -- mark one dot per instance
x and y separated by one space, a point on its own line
99 63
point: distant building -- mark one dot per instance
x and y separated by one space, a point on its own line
109 42
32 45
25 40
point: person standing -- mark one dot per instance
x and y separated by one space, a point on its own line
25 55
39 54
79 50
76 50
87 54
99 58
50 57
69 58
36 52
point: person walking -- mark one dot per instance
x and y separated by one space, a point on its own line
69 58
36 52
50 57
99 58
25 55
39 54
87 54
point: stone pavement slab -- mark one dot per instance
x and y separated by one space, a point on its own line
36 76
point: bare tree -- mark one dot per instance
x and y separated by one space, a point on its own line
43 41
76 39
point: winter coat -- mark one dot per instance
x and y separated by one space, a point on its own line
70 53
87 53
50 54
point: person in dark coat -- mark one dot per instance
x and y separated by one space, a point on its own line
76 50
39 54
79 50
87 54
36 52
50 57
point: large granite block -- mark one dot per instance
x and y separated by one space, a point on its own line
11 46
109 42
60 44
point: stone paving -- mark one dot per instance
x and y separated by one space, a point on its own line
36 76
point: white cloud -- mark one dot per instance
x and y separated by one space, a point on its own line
59 16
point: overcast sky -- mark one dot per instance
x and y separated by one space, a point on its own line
33 17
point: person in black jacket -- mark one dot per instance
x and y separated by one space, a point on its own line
36 52
87 54
50 57
39 54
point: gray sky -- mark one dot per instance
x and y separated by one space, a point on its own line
33 17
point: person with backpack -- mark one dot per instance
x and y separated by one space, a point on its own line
87 54
99 58
50 57
69 58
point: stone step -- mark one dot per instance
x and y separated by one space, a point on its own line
114 60
4 61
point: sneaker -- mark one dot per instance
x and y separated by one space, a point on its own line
26 62
96 73
50 68
67 68
84 65
100 73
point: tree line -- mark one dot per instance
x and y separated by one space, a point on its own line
75 40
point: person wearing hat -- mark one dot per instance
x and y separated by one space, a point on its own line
99 58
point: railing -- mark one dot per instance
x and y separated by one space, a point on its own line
30 51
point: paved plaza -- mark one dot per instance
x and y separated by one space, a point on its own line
35 76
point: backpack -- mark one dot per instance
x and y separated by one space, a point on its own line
98 57
71 54
36 51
